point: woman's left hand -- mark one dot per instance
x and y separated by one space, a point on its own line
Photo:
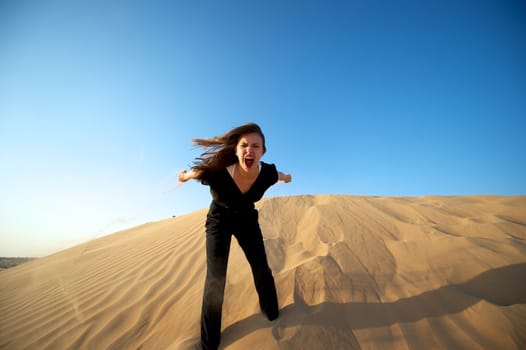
286 178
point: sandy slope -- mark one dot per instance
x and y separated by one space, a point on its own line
351 272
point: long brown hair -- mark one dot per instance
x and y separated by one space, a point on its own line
220 151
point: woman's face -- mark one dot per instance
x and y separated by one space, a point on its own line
249 150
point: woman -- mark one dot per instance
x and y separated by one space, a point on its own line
231 167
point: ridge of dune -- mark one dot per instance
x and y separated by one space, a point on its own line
350 271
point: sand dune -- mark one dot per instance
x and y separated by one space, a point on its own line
351 272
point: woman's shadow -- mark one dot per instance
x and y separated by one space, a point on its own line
502 286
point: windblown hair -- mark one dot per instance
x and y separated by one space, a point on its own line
220 151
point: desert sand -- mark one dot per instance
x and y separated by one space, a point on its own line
351 273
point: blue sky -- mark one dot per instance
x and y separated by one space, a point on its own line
99 101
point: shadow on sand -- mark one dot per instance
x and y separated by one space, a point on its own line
501 286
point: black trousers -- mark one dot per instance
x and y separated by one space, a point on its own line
221 224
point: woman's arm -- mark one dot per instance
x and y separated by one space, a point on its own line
187 175
284 177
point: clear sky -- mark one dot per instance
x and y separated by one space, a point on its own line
99 101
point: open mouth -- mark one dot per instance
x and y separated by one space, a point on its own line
249 162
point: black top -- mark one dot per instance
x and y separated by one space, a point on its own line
226 193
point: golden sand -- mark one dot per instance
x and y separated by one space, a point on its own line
351 272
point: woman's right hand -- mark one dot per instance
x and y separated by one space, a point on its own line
183 176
